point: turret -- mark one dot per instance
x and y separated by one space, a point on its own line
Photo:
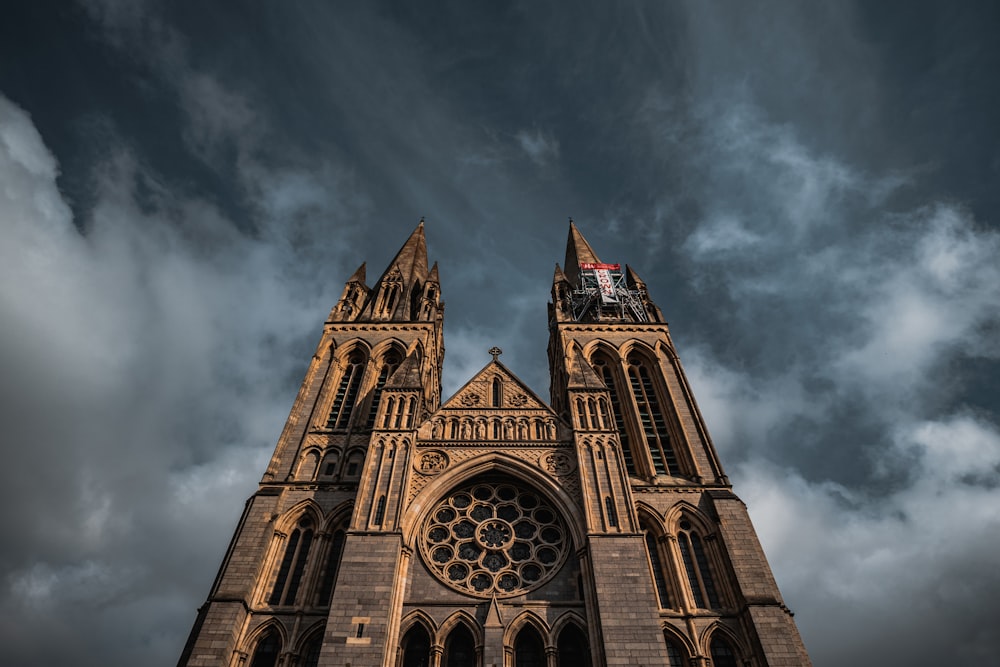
353 297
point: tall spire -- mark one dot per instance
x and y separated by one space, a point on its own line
396 295
577 251
412 257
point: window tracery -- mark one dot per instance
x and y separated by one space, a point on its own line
331 566
293 563
696 566
602 365
651 419
656 565
347 392
494 538
390 362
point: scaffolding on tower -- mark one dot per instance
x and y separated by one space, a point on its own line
604 294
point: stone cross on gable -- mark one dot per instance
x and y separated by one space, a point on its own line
495 351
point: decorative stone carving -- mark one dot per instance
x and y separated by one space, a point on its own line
432 462
557 463
471 400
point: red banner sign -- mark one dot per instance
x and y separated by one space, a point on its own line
589 266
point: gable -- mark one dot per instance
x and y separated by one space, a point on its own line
480 393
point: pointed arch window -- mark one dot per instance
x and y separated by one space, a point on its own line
675 658
354 461
573 647
389 365
459 648
699 573
390 294
265 654
308 465
416 647
347 392
529 651
654 426
331 567
293 564
656 565
602 365
329 467
722 653
497 393
311 649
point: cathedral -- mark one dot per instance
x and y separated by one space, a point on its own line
395 527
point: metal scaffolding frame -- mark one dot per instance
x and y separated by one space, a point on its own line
618 303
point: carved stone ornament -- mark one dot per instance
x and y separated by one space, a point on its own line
557 463
518 400
471 399
432 462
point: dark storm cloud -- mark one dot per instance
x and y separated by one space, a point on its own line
785 177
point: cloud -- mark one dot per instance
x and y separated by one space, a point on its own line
115 351
541 148
853 562
837 405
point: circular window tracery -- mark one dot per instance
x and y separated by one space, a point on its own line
494 538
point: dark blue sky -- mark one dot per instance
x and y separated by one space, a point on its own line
809 191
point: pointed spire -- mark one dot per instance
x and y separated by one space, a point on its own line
577 251
359 275
407 376
632 278
432 277
412 257
558 276
581 375
392 297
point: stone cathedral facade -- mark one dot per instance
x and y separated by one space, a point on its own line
397 528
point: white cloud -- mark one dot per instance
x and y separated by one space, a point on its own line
848 314
139 360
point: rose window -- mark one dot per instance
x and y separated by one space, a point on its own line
494 538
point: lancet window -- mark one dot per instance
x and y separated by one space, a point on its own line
459 648
722 653
573 647
347 392
697 568
293 564
416 647
656 566
651 419
675 656
603 367
311 649
389 365
265 654
529 651
331 565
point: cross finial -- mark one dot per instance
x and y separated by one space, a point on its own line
496 352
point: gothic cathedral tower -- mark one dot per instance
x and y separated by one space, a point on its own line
494 530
